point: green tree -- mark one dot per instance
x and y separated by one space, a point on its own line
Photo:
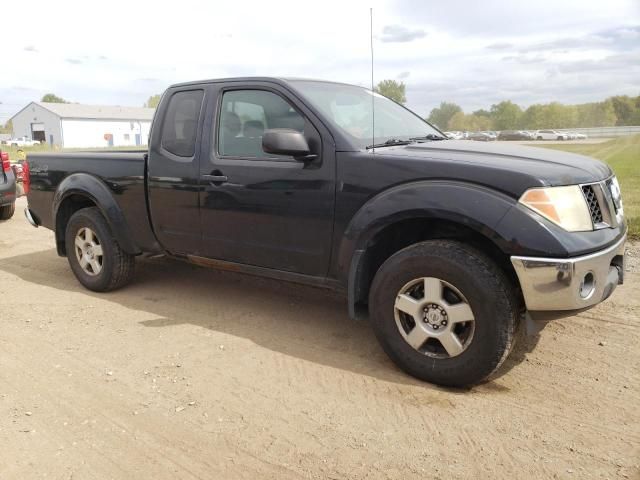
596 114
440 116
506 115
534 118
482 113
561 116
635 118
469 122
7 127
393 90
52 98
625 108
153 101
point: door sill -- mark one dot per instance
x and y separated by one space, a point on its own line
293 277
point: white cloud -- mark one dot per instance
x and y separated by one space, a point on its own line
122 52
400 34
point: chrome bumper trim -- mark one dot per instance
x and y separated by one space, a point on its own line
555 283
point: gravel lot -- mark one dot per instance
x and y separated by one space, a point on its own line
191 373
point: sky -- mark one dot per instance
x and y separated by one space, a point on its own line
471 53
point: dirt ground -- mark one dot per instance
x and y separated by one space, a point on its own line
191 373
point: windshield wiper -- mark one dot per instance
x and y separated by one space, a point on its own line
390 143
430 136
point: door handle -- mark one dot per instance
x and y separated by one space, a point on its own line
216 179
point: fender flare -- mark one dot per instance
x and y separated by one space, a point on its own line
94 189
476 207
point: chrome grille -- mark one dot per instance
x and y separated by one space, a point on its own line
593 204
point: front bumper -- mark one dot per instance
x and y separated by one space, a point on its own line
570 283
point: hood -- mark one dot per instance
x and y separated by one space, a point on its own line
509 168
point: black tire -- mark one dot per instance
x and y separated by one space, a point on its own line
490 296
117 265
7 211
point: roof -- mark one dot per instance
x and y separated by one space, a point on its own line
102 112
279 80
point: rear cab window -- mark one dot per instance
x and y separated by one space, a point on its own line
180 124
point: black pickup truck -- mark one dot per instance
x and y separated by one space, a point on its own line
444 245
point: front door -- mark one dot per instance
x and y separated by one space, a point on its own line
259 209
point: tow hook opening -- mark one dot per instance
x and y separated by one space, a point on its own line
619 262
587 286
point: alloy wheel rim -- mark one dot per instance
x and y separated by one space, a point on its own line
89 251
434 318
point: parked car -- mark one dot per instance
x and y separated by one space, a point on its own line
514 135
454 135
21 142
492 133
481 137
551 135
443 245
581 136
7 188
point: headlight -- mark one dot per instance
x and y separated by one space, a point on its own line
564 206
616 196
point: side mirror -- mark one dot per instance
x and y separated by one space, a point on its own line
285 141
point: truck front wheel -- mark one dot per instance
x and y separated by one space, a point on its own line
444 312
93 253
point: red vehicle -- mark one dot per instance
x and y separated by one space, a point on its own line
18 171
7 188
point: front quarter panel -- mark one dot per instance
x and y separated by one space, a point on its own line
476 207
527 233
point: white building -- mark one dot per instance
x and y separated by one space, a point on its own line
72 125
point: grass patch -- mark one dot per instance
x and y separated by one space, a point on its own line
623 155
13 151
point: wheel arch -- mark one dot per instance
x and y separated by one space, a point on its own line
82 190
424 211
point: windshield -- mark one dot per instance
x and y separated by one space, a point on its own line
348 108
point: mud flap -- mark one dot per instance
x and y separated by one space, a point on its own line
533 327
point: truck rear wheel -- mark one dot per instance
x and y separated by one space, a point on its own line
444 312
93 253
7 211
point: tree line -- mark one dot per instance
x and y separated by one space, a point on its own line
619 110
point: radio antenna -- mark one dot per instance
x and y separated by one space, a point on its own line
373 98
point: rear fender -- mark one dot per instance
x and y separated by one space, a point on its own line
95 190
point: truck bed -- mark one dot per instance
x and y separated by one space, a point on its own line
122 172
